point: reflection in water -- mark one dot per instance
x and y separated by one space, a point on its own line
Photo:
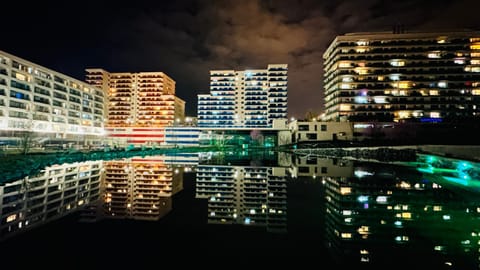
384 215
374 213
51 194
137 188
250 194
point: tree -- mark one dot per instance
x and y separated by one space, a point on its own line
26 141
26 138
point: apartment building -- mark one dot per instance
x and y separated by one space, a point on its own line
385 76
139 105
251 98
52 105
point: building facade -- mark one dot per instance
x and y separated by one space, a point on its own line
313 131
250 98
143 102
50 104
425 77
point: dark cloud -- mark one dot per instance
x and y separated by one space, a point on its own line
186 39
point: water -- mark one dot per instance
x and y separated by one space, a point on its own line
244 209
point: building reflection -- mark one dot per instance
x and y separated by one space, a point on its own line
247 192
140 187
51 194
383 214
134 188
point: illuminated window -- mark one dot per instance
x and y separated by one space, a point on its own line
433 92
475 46
397 63
434 54
459 61
406 215
361 70
381 199
11 218
347 79
475 54
346 235
435 115
362 43
404 85
344 64
476 92
475 61
345 86
361 50
380 78
442 84
345 190
437 208
394 77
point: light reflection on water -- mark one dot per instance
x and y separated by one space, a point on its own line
354 212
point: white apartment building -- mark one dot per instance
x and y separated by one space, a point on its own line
51 104
251 98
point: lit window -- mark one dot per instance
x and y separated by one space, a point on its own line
476 92
344 64
397 63
435 115
434 54
345 107
362 43
345 190
347 79
475 61
442 84
406 215
459 61
345 86
361 50
475 46
346 235
381 199
394 77
11 218
361 70
433 92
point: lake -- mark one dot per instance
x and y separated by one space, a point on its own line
244 209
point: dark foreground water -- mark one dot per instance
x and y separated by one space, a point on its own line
244 210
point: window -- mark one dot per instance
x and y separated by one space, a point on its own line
323 127
303 127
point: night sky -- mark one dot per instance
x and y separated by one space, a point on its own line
187 39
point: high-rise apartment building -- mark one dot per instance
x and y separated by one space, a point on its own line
403 76
35 98
143 103
249 98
